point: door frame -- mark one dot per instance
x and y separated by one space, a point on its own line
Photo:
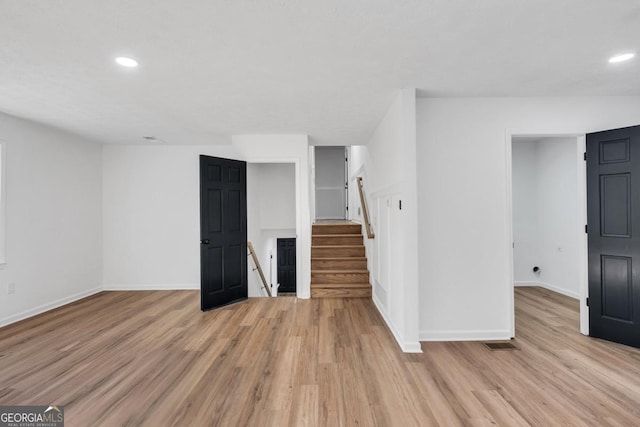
582 237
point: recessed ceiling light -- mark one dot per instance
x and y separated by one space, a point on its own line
127 62
621 58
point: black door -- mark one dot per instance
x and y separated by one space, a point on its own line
613 210
287 265
223 231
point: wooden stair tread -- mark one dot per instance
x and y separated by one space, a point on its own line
337 235
339 262
336 246
339 271
341 285
337 228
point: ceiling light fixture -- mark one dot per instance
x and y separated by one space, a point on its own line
127 62
621 58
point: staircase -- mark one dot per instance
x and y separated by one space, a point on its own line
338 261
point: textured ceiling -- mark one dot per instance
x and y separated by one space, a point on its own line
327 68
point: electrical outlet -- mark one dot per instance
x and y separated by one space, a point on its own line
11 288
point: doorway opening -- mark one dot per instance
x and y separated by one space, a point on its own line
547 201
271 207
331 184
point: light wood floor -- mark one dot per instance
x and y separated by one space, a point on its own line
152 358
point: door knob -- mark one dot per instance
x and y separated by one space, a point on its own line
204 241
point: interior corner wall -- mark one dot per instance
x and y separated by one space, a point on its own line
465 273
560 216
547 218
387 163
53 224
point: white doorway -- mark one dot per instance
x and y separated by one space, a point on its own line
547 202
271 215
331 182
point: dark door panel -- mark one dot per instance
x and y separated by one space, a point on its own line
613 210
223 231
287 265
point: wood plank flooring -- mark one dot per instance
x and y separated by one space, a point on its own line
152 358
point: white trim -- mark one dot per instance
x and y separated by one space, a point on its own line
574 295
406 347
523 283
582 197
583 248
48 306
511 307
3 201
488 335
565 292
153 287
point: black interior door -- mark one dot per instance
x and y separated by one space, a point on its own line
223 231
287 265
613 210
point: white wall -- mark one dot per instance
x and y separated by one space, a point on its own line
559 215
465 272
525 211
547 215
53 218
277 195
387 163
151 209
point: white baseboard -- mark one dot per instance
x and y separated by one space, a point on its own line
48 306
481 335
407 347
574 295
525 283
154 287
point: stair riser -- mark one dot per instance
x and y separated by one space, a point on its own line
337 252
340 293
336 229
320 277
339 264
336 240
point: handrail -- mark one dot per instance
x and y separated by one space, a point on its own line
252 252
365 211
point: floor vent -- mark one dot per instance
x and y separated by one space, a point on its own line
505 345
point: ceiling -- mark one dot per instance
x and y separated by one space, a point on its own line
327 68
